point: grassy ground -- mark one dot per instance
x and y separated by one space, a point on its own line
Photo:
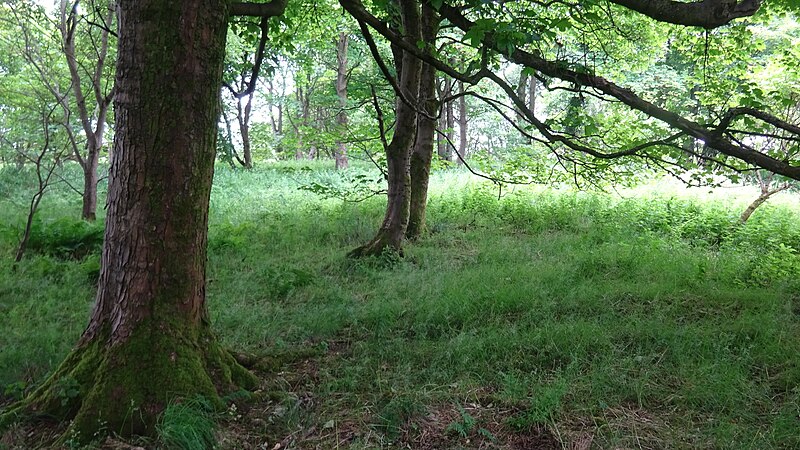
541 319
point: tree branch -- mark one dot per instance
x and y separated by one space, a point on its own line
708 14
271 9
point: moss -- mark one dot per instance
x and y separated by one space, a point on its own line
378 246
124 387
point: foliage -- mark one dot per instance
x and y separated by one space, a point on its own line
557 305
67 238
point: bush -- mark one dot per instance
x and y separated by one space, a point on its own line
66 238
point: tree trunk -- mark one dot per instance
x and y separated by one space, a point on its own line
752 207
243 117
765 184
444 149
522 92
532 95
531 101
90 180
462 124
426 130
149 341
451 124
340 153
398 152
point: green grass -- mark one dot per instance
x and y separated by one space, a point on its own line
188 425
653 320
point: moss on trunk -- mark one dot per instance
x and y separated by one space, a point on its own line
124 387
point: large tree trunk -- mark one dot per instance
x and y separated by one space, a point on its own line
149 341
426 130
532 95
398 152
340 153
531 101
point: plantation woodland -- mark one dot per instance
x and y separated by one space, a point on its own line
418 224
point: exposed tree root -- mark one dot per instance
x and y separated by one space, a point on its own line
378 245
123 387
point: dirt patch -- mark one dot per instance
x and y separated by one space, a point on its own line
474 426
629 427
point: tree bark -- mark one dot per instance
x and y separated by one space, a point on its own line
426 130
532 94
243 117
149 340
752 207
444 149
398 152
522 92
90 179
767 191
462 124
340 153
451 122
708 14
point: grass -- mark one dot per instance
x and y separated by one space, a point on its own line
646 321
188 425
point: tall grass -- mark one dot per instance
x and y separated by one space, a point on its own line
569 309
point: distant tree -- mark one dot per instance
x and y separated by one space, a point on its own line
342 75
768 186
76 75
89 71
44 156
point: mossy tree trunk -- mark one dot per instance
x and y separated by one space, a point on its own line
148 342
426 129
398 152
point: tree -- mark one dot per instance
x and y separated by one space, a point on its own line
422 152
529 34
342 74
92 120
77 67
149 340
398 152
45 160
462 123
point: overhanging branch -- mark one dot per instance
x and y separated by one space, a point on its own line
708 14
271 9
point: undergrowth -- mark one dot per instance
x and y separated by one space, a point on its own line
659 319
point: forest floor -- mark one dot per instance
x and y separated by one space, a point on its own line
541 319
